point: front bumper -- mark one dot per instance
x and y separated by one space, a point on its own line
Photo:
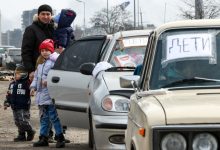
106 127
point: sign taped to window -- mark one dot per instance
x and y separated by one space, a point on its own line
132 42
189 46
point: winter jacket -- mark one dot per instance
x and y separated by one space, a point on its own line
63 34
32 37
18 95
138 69
42 94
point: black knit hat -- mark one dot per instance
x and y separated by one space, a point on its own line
44 7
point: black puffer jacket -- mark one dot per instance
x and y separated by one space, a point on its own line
18 95
32 37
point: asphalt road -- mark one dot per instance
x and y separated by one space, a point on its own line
8 130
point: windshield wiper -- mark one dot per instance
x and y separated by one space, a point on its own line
121 68
194 79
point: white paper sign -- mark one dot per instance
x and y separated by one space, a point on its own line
188 45
140 41
124 61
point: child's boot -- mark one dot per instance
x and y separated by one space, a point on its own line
60 141
50 137
43 141
66 140
21 137
30 135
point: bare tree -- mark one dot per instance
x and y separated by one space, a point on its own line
211 9
118 19
78 32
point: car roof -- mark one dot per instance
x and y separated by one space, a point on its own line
198 23
15 48
9 50
93 37
131 33
6 46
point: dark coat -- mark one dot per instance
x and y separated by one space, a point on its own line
18 95
32 37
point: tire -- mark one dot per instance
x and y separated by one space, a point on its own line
0 61
91 134
90 137
133 147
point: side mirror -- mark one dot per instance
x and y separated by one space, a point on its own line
87 68
129 81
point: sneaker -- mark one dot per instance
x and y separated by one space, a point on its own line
30 135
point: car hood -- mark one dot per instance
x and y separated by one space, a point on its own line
112 79
191 106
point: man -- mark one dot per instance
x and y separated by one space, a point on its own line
42 28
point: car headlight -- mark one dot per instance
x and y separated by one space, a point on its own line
173 141
205 141
116 103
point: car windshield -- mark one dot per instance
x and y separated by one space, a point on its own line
186 58
129 52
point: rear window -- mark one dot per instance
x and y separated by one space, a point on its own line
129 52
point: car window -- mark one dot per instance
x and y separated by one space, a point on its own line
2 51
79 52
129 52
187 58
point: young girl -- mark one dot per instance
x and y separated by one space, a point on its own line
46 106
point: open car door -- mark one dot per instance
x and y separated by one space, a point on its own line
68 87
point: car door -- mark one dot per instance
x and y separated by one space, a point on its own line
68 86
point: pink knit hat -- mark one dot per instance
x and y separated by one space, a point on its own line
47 44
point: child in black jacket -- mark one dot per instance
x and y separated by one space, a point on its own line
18 97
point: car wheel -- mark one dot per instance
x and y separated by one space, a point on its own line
91 135
0 62
133 147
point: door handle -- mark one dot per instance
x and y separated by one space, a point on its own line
55 79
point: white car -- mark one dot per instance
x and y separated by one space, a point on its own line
12 57
176 105
97 102
3 49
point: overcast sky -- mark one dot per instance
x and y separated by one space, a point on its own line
152 10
